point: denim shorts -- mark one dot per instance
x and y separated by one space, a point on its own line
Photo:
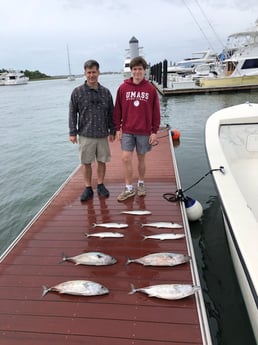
131 141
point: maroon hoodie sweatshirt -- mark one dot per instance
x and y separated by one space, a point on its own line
137 108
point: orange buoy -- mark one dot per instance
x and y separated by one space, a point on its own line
175 134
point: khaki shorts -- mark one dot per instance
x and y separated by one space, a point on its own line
93 148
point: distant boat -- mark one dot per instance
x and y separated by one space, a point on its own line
2 79
188 65
236 67
241 67
133 51
70 77
14 77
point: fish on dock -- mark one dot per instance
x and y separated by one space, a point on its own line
110 225
106 234
167 291
165 236
161 259
77 287
168 225
91 258
137 212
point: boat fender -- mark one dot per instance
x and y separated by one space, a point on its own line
194 209
175 134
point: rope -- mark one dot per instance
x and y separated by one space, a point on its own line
179 194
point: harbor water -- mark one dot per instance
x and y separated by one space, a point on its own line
37 157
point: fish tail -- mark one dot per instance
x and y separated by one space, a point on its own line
94 225
196 288
64 258
45 290
144 237
133 290
128 260
86 234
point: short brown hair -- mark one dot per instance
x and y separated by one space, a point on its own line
138 61
90 64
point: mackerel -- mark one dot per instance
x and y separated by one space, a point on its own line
110 225
137 212
162 237
77 287
106 234
169 225
161 259
91 258
167 291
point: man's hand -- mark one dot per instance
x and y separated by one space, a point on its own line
73 139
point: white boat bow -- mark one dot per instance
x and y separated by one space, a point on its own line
231 137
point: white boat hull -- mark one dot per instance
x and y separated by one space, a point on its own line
16 82
15 78
232 143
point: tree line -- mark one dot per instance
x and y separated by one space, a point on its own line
32 75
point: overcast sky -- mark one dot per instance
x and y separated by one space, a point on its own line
34 33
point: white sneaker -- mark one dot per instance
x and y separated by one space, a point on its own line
141 190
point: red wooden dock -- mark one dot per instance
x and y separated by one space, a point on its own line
118 318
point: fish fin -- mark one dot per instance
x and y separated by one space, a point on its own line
133 290
45 290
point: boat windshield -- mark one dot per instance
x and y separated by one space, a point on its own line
250 63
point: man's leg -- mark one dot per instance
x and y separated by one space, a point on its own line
141 166
141 174
87 174
101 171
127 158
129 191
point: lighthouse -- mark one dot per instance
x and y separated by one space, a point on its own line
133 48
133 51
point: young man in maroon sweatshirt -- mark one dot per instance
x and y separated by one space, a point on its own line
136 120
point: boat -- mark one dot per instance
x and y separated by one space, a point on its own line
178 81
241 67
2 79
188 65
14 77
235 69
231 139
70 77
133 51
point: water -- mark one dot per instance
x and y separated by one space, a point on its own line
36 158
